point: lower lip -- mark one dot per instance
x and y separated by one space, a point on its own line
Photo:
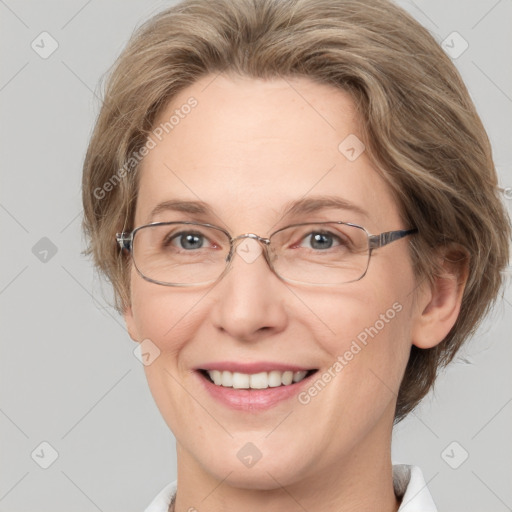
252 399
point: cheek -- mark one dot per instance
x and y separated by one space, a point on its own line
165 315
358 313
367 336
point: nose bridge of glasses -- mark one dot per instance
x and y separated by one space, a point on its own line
258 238
236 241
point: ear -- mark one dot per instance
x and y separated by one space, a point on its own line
130 324
439 303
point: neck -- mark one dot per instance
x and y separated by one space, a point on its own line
361 481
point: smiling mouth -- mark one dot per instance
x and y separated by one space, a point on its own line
261 380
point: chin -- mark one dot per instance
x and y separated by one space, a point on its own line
241 467
259 479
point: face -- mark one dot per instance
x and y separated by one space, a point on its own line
248 149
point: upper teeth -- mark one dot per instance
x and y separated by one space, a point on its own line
260 380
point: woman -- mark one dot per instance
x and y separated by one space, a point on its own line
296 204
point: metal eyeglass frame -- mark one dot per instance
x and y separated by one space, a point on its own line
125 242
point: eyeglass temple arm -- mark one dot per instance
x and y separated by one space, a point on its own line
388 237
124 240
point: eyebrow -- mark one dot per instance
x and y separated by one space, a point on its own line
315 204
304 206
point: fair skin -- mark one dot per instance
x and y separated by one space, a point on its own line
247 149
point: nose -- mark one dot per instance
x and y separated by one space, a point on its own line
250 298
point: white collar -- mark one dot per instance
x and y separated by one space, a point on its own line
408 482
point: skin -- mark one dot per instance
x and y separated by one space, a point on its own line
249 147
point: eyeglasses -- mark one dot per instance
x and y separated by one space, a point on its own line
192 254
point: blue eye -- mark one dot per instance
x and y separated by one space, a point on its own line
183 240
190 241
187 240
321 240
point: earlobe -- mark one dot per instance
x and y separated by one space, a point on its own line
130 323
439 305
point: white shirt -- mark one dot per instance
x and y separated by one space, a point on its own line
408 482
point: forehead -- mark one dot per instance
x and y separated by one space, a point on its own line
250 147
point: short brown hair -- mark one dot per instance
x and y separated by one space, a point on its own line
420 129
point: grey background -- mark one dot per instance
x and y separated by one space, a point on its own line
68 373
